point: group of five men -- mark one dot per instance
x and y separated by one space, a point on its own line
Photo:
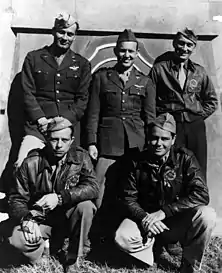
144 122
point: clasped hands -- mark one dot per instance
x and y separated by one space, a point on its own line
153 222
30 228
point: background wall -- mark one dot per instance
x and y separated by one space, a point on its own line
156 21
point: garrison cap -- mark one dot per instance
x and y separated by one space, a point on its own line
65 20
58 123
166 122
127 36
189 34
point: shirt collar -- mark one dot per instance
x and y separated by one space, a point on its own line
175 65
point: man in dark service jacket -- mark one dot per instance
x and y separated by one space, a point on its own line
166 199
184 89
52 196
121 105
55 82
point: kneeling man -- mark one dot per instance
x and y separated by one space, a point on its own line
166 198
53 190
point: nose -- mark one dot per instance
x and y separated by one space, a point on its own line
127 54
159 142
59 143
65 36
185 47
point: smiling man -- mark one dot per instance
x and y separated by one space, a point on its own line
55 82
166 198
184 89
121 105
52 196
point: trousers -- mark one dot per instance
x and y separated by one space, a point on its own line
75 223
192 228
192 135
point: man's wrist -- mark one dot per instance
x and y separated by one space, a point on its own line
60 200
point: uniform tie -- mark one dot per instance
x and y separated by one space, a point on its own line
182 75
124 77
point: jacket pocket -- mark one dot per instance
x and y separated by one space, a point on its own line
41 77
136 96
72 74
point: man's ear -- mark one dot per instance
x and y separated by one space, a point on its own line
174 139
115 50
174 42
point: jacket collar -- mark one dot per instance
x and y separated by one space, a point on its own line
69 59
133 78
148 159
71 158
174 64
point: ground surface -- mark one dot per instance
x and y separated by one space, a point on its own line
112 261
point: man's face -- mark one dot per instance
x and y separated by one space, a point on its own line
60 142
160 141
183 47
64 37
126 53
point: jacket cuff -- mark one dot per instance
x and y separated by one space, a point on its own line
92 138
36 114
66 197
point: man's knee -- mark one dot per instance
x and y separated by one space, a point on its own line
206 215
86 208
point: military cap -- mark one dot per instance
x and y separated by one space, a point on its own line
126 36
58 123
166 122
189 34
65 20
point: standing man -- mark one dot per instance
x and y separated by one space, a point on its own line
53 193
166 198
120 107
184 89
55 82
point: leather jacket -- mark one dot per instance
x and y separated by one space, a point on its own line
173 186
76 181
196 100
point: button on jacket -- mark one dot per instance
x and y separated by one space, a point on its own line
197 98
51 90
117 114
76 182
176 185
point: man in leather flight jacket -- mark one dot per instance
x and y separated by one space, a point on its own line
166 197
53 193
184 89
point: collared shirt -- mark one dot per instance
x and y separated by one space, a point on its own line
197 98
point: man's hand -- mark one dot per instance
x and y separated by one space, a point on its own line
158 227
48 201
31 231
43 124
152 218
93 152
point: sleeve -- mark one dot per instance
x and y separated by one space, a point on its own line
208 96
195 189
81 97
93 111
129 196
31 105
149 105
19 194
86 189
